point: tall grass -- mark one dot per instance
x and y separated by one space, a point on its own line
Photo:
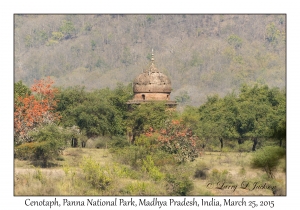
84 171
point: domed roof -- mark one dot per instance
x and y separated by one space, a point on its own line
152 80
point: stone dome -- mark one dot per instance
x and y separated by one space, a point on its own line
152 81
155 82
152 85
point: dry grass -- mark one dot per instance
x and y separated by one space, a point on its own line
66 178
239 171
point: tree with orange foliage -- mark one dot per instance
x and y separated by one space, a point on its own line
32 111
179 140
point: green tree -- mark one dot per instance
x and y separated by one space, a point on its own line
190 117
42 36
93 45
100 112
183 98
278 124
28 41
145 116
119 96
268 159
259 114
47 143
218 119
57 35
68 99
97 116
67 28
21 90
235 41
126 57
272 34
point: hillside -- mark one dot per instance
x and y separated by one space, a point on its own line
202 54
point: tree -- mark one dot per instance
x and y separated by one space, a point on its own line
21 90
261 110
119 96
201 66
47 142
177 139
183 98
68 100
278 125
97 116
218 119
257 112
67 29
190 117
35 110
268 159
272 34
235 41
144 116
99 112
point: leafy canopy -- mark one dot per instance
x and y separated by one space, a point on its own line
34 110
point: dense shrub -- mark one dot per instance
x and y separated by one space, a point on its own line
200 174
245 146
220 176
201 170
135 188
179 184
99 145
131 155
149 167
268 159
162 158
97 176
47 143
118 142
25 151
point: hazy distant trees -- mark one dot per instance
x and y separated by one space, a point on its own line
211 53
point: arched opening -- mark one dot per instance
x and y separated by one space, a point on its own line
143 96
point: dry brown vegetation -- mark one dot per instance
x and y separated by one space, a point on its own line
202 54
67 176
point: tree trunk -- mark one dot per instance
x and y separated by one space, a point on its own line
221 140
280 142
254 144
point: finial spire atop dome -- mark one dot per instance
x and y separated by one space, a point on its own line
152 68
152 57
152 85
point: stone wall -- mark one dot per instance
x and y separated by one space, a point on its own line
152 96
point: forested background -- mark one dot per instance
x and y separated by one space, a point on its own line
202 54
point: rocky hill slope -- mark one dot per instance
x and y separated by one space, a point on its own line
202 54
